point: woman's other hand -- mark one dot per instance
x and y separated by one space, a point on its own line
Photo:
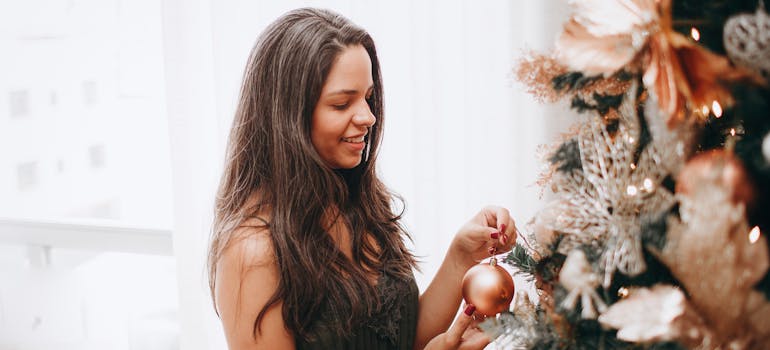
492 226
463 335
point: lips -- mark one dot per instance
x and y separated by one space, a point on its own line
355 139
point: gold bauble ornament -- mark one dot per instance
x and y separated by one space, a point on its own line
489 287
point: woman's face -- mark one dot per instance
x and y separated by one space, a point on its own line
342 116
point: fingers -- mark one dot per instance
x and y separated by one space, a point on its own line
474 338
455 333
476 341
500 219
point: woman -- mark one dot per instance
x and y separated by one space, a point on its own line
306 250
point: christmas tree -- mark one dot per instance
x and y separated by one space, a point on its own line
654 239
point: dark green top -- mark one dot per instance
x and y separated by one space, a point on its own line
393 326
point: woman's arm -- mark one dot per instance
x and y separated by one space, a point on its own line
247 276
441 300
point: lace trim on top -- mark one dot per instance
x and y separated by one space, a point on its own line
385 321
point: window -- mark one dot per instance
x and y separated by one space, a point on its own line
85 200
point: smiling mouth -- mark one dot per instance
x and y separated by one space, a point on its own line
354 139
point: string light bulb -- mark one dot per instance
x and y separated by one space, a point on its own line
695 34
648 185
716 108
631 190
754 235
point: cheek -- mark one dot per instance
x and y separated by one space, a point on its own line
326 131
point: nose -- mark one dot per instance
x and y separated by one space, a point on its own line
364 117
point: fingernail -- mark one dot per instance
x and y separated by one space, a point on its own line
502 228
491 250
494 235
470 310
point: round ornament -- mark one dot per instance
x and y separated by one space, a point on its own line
721 168
747 40
489 287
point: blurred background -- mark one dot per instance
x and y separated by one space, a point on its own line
113 121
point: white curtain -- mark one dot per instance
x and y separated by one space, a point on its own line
460 133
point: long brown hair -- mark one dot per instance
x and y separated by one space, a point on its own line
270 153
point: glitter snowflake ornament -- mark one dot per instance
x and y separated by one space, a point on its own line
602 205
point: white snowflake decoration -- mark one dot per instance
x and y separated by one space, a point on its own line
603 205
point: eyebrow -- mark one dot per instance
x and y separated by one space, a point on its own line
347 91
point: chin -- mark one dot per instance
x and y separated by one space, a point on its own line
350 164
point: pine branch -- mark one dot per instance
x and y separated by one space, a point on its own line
525 264
603 103
567 157
572 81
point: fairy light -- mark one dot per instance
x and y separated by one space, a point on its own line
704 110
623 292
631 190
754 235
716 108
648 184
695 34
633 166
732 131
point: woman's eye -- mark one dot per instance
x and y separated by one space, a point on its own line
340 107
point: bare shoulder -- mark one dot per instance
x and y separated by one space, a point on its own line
250 246
249 255
247 276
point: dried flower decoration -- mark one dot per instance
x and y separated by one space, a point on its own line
604 37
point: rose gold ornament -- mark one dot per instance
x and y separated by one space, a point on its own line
717 167
489 287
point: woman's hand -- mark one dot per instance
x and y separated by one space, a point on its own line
463 335
492 225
